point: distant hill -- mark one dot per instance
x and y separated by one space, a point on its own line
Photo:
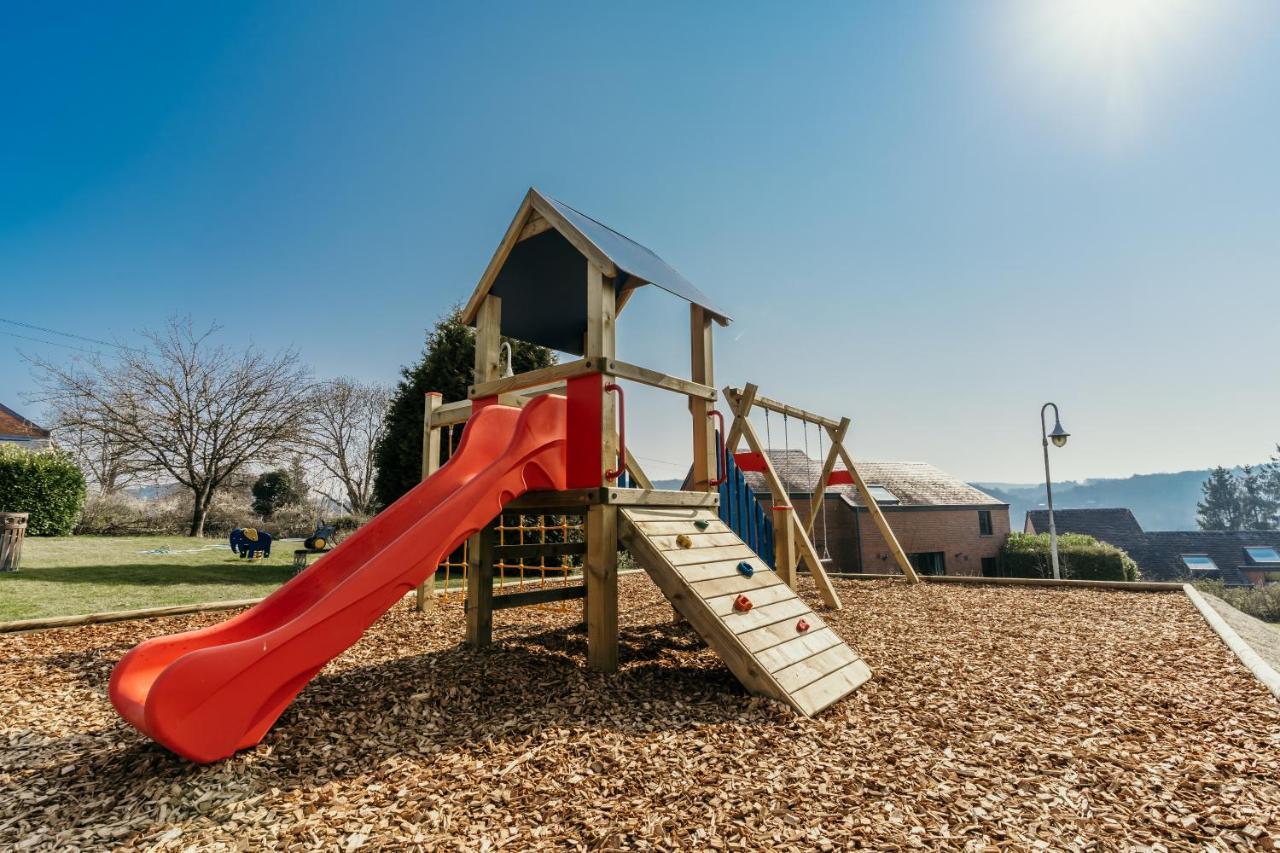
1160 501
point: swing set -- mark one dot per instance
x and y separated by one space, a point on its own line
792 536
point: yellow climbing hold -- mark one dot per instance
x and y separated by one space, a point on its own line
684 541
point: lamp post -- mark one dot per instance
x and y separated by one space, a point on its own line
1059 438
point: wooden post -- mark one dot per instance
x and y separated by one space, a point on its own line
790 542
600 570
430 464
488 340
882 524
480 588
601 342
703 370
828 465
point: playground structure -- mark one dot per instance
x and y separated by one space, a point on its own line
250 543
547 442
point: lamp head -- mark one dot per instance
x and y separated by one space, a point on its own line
1059 435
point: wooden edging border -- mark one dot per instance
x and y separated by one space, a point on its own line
1261 670
120 616
1122 586
24 625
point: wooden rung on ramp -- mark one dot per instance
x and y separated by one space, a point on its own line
808 670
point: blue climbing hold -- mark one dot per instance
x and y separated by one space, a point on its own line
746 569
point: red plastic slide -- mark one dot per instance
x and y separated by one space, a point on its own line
205 694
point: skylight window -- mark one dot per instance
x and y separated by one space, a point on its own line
884 496
1199 563
1263 555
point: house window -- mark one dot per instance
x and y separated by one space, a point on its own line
1263 555
984 522
883 495
930 563
989 567
1199 563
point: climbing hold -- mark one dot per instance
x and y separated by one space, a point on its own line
745 569
742 604
684 541
702 523
802 626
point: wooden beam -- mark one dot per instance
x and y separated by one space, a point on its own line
790 541
637 473
575 237
882 524
535 225
645 376
534 378
601 344
600 570
488 340
828 465
660 497
703 373
430 464
479 606
789 411
499 258
545 595
538 550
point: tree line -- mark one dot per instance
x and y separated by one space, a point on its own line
190 409
1244 500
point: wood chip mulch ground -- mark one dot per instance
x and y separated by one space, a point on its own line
996 719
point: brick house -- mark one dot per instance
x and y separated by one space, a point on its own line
945 525
15 429
1236 557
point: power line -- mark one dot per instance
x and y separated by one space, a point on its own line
64 334
50 343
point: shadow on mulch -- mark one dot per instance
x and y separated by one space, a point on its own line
457 700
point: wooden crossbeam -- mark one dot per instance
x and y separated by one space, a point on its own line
789 534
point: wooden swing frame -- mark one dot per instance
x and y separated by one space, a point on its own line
792 542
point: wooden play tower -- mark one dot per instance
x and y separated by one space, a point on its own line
560 279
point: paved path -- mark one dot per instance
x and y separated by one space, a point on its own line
1261 637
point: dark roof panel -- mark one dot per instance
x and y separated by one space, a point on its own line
631 257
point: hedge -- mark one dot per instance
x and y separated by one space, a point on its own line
46 483
1080 557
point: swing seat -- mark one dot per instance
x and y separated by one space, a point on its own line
840 477
749 461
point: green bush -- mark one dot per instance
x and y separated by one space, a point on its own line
1259 602
1081 558
47 484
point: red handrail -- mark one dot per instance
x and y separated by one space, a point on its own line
615 473
724 463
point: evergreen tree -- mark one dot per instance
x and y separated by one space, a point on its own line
1222 504
447 366
1258 503
273 490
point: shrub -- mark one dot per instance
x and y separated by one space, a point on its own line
118 515
344 524
291 521
1081 558
1260 602
47 484
274 490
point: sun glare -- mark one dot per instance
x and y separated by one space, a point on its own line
1109 58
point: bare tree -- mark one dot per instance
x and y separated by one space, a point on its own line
109 463
187 406
345 421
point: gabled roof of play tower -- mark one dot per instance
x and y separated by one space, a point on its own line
539 270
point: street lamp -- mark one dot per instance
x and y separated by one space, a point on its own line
1059 439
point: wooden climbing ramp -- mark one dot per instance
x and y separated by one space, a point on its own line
763 646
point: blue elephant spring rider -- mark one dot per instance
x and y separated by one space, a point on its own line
250 542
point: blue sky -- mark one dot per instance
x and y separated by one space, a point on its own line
931 218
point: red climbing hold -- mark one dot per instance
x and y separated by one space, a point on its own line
742 604
802 626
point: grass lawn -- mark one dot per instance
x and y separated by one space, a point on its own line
71 575
74 575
